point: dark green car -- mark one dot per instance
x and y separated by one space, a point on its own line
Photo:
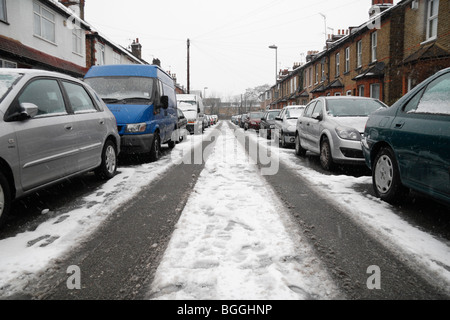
407 146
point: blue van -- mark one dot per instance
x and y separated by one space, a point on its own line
143 100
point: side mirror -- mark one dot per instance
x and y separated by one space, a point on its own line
278 118
27 111
165 102
317 116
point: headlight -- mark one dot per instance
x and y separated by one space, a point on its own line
136 127
348 133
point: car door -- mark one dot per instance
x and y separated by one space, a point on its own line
421 137
314 127
47 143
89 125
304 123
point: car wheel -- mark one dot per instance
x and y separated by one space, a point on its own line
5 198
298 147
155 152
326 159
386 176
108 167
283 140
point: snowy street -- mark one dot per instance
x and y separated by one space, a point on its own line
239 235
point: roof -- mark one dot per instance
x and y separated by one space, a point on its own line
123 70
429 51
375 71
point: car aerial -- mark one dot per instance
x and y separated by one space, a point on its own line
285 124
253 120
268 123
142 98
52 127
408 145
332 128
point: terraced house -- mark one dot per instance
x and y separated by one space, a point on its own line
397 48
52 35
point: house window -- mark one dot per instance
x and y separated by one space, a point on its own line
337 64
374 43
3 16
337 94
432 19
359 54
347 59
349 92
44 23
317 73
361 91
7 64
375 90
77 40
116 58
101 54
323 72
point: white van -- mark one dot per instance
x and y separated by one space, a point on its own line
194 110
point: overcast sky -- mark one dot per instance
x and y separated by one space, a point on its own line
229 39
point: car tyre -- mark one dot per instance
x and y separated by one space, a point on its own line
108 167
5 198
298 147
326 158
155 152
386 177
283 140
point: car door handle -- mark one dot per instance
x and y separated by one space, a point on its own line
68 127
399 125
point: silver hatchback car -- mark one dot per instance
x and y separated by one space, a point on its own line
332 127
52 127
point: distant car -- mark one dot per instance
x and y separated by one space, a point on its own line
253 120
181 132
52 127
332 128
268 123
407 146
242 120
285 124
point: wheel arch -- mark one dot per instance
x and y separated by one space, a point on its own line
6 170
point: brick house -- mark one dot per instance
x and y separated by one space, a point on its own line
397 48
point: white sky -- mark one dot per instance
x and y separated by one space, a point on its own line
229 39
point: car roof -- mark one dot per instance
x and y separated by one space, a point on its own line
37 72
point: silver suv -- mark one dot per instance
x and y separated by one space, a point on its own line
52 127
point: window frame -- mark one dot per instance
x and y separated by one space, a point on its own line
347 59
359 53
338 64
372 85
374 46
432 18
4 15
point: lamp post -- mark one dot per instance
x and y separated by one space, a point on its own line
204 92
276 60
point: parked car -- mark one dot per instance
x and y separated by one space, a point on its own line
268 123
242 120
142 98
285 124
253 120
332 128
194 110
181 132
408 145
52 127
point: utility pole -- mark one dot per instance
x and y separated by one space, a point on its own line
188 68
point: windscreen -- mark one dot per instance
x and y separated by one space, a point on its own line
294 113
7 80
352 107
257 115
138 90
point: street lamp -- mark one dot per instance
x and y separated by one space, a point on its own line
204 92
276 60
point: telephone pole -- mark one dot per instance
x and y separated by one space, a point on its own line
188 67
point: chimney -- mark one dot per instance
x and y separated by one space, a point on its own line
156 62
76 6
379 6
136 48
